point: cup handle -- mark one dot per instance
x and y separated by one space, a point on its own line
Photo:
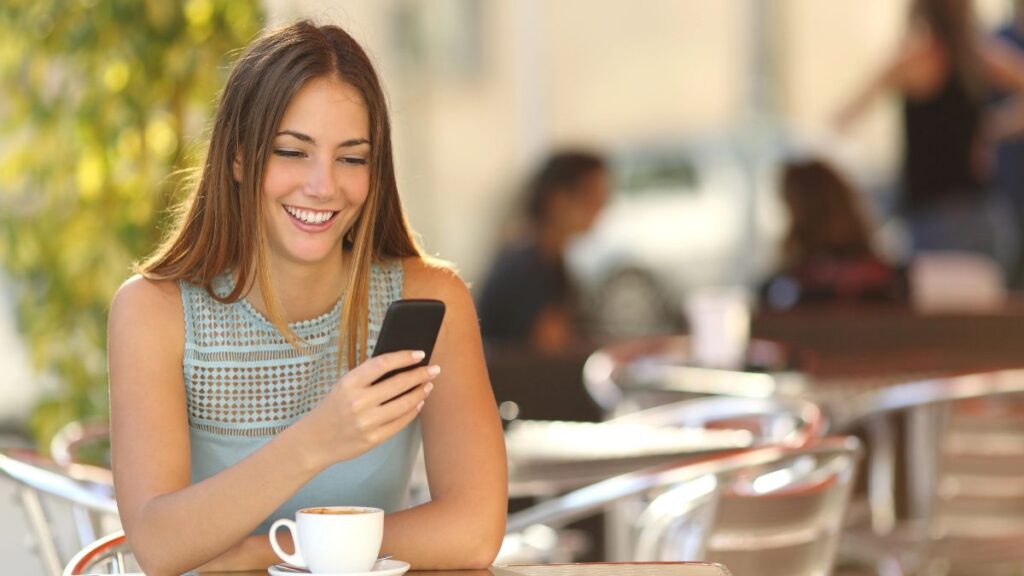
293 559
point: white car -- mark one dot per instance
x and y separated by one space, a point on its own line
681 215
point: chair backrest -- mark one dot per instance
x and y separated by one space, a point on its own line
54 500
750 509
644 372
564 455
786 420
785 519
965 452
107 555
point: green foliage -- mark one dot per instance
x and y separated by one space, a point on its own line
100 101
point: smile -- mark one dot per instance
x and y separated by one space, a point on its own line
311 217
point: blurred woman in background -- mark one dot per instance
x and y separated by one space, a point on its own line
943 72
827 253
527 297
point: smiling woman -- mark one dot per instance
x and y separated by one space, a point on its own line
317 176
244 393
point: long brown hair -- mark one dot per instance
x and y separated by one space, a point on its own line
825 216
952 25
220 225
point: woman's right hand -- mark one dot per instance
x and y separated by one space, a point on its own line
358 415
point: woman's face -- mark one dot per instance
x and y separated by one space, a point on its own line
317 176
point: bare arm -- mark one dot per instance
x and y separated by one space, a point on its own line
174 526
893 75
1004 66
463 444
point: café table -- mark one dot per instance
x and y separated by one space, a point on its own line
547 458
582 569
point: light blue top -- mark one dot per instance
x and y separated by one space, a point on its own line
244 383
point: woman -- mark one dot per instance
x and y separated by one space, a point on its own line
943 72
527 297
827 253
239 380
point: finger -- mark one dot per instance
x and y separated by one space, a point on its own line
371 370
389 429
399 384
398 408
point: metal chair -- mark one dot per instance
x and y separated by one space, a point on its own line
45 489
82 442
640 373
107 555
787 420
964 454
754 510
548 458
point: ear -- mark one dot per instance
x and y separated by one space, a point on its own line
236 167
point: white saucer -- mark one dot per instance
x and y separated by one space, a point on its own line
389 567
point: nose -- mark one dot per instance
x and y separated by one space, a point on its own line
321 182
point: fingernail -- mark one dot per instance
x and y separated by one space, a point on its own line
418 354
434 370
428 388
419 406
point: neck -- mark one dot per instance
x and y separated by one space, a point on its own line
304 291
551 241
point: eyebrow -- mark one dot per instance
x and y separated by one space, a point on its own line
307 138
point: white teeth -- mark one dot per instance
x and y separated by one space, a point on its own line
308 216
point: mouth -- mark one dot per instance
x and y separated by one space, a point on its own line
310 219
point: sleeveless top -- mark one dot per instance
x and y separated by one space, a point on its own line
244 383
941 133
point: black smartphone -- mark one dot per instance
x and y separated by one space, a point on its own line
410 324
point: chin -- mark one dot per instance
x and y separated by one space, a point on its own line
312 254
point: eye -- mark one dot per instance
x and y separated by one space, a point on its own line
289 153
353 160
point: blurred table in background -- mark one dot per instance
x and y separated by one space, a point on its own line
848 348
880 340
847 351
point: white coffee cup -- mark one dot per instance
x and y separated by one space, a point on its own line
333 539
719 319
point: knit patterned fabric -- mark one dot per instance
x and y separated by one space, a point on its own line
244 383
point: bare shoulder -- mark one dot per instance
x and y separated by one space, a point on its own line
142 305
432 278
140 293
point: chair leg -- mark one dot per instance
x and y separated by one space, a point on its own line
84 526
45 543
881 476
923 447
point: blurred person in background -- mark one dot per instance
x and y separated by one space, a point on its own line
943 72
240 385
827 253
527 296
